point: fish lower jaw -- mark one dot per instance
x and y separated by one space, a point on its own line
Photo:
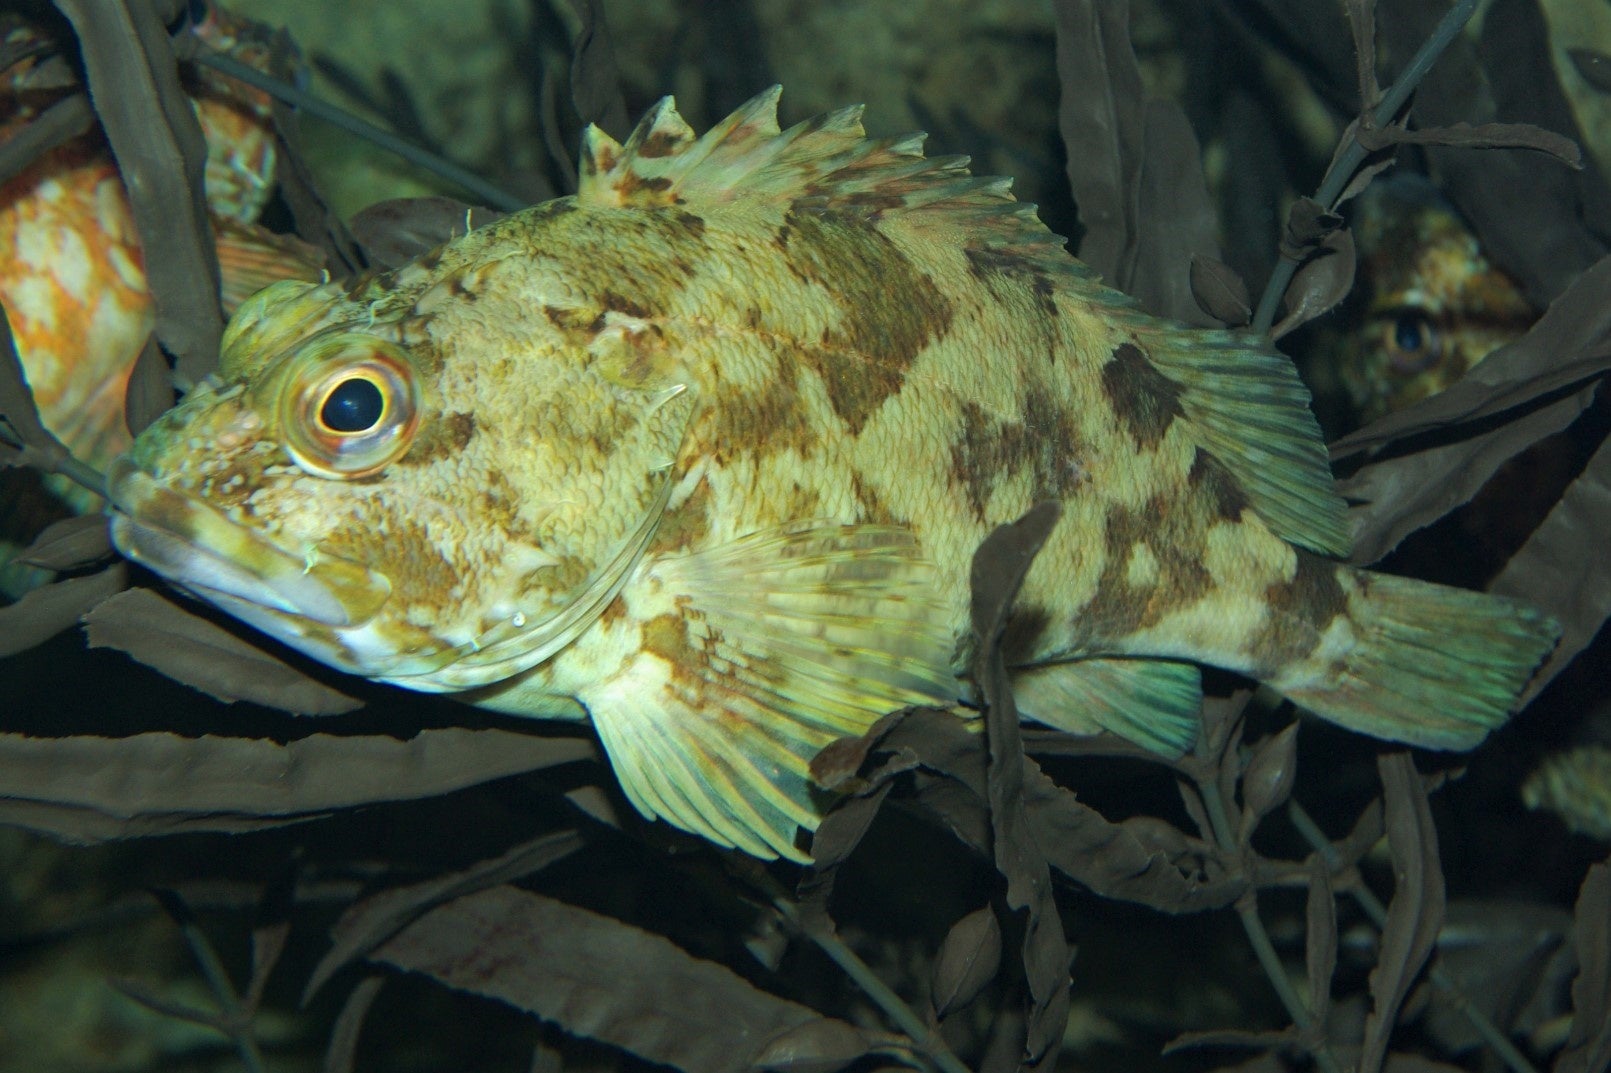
198 548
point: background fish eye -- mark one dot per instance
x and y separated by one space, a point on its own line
1412 341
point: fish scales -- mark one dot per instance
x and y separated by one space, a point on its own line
703 453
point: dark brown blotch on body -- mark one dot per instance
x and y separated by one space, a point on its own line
1120 608
1146 401
687 524
890 309
688 224
615 302
871 508
770 418
644 255
575 320
1300 610
1211 481
1046 443
448 435
997 267
1313 597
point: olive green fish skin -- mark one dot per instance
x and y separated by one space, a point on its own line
703 454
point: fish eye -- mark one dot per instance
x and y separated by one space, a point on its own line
349 406
1413 343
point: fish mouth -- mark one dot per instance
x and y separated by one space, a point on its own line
201 550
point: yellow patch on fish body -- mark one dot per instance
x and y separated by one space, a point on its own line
703 453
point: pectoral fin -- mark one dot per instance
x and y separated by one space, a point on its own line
761 653
1152 702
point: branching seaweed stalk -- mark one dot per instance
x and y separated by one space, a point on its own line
234 1018
1247 910
1353 154
79 472
1377 912
865 978
493 196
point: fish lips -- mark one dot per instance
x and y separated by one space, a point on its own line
199 549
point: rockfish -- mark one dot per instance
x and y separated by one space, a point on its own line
1436 306
702 453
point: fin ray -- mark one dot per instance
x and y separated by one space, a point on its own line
1250 410
1420 663
783 641
1151 702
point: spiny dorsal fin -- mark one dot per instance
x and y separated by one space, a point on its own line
826 162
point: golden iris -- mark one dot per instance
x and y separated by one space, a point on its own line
350 406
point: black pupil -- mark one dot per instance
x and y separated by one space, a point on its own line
354 406
1409 333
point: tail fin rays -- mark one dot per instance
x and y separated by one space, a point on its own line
1420 663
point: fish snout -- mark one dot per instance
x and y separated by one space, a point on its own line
220 560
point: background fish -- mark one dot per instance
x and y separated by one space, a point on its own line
1575 784
72 283
703 452
1427 307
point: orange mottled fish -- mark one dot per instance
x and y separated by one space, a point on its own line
702 455
71 280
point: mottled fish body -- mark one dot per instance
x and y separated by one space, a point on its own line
703 453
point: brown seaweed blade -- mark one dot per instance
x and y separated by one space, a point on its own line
86 789
1416 912
189 649
133 79
1549 569
1588 1046
609 981
998 571
1137 178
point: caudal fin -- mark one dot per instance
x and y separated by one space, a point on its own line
1420 663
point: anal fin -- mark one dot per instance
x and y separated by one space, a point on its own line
1152 702
753 657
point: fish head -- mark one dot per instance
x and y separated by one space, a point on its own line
408 481
1435 304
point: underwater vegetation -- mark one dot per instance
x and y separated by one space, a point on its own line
219 854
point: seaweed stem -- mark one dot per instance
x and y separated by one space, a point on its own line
471 182
80 473
1247 910
1354 152
1377 912
212 969
877 990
